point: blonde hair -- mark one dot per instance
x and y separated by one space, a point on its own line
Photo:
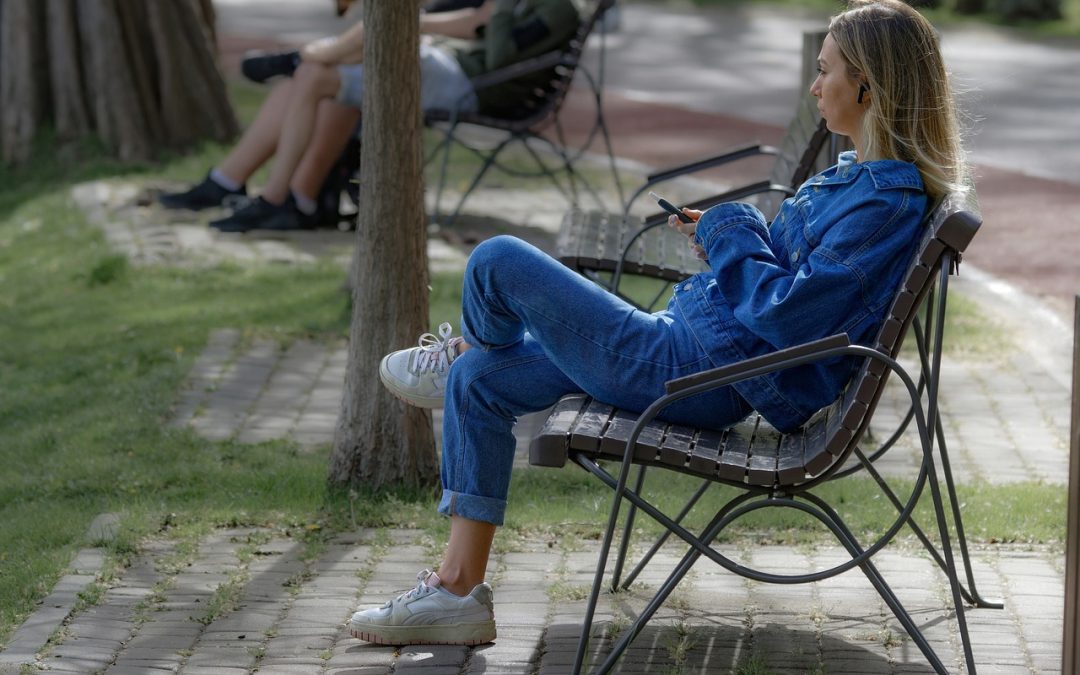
912 115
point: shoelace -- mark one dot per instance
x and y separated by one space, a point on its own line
421 578
436 353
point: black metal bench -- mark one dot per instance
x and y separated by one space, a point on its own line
770 469
533 115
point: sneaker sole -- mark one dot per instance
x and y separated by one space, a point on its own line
467 635
402 395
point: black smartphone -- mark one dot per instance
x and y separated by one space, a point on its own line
671 208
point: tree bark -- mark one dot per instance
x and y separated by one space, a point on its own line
23 77
380 441
139 75
70 112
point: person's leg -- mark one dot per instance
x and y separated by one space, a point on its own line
610 349
539 331
311 84
228 179
464 564
260 139
334 127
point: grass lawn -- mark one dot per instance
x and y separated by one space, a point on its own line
93 352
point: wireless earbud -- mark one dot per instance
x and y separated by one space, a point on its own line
862 90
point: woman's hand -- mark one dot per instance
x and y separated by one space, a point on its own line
689 230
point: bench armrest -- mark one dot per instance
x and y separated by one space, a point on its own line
731 155
764 361
521 68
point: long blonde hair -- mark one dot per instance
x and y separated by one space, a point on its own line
912 114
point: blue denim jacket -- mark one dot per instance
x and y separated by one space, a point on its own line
830 263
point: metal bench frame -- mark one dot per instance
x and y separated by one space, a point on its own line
784 468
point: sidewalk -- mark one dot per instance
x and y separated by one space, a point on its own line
1006 416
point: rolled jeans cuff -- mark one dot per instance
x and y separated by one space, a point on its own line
485 509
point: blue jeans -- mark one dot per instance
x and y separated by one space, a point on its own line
539 331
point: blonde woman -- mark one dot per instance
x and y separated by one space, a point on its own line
828 263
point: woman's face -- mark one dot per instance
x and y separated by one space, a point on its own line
837 92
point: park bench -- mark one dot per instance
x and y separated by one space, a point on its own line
769 469
532 117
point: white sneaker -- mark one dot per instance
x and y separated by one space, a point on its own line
429 615
418 375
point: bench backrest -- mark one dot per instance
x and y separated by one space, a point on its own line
549 92
950 228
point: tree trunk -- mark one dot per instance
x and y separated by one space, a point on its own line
380 441
139 75
23 77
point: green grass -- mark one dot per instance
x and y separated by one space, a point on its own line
569 504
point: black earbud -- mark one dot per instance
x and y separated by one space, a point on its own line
862 91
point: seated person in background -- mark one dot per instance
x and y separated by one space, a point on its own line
534 330
260 66
309 116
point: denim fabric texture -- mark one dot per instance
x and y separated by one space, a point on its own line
830 263
539 331
443 84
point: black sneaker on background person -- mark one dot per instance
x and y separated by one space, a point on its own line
261 66
205 195
260 214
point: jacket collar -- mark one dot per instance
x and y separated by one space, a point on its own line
886 173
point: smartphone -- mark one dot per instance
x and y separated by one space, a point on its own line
671 208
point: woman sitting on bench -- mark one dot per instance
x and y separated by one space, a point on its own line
829 263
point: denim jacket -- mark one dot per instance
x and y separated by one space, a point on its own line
830 262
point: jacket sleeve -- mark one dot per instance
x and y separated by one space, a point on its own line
511 37
815 294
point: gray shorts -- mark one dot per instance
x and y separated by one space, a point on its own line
443 85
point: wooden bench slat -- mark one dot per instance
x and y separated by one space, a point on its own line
705 456
675 448
613 444
737 448
549 446
761 469
816 455
648 443
590 425
790 468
